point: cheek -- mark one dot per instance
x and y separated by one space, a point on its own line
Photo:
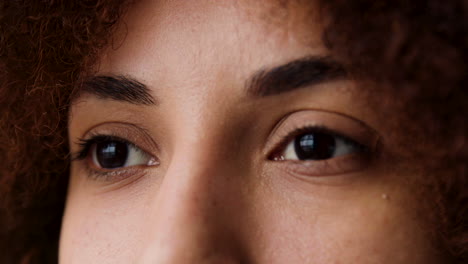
97 237
102 230
340 225
287 223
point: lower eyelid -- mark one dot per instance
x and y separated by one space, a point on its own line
111 175
110 181
336 166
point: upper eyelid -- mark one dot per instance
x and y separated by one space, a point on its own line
132 133
85 145
116 125
335 123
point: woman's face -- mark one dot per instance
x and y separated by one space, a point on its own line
225 133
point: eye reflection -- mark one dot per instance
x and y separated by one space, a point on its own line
111 154
312 146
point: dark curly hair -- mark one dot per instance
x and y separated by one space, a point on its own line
416 51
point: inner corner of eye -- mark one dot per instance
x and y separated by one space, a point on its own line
153 162
276 155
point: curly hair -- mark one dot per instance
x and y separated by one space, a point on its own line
419 49
45 46
416 48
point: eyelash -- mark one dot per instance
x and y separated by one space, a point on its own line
84 153
86 145
285 140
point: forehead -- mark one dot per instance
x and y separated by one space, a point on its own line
158 39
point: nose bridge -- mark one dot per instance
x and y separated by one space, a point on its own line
190 212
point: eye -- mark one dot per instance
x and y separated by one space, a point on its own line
112 153
317 145
311 144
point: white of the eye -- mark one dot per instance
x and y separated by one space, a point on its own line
137 156
341 148
290 151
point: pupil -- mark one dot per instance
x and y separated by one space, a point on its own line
315 146
111 154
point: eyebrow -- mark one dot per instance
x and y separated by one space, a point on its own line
119 88
294 75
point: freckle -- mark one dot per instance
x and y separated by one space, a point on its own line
384 196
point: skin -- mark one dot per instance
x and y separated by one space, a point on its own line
216 196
